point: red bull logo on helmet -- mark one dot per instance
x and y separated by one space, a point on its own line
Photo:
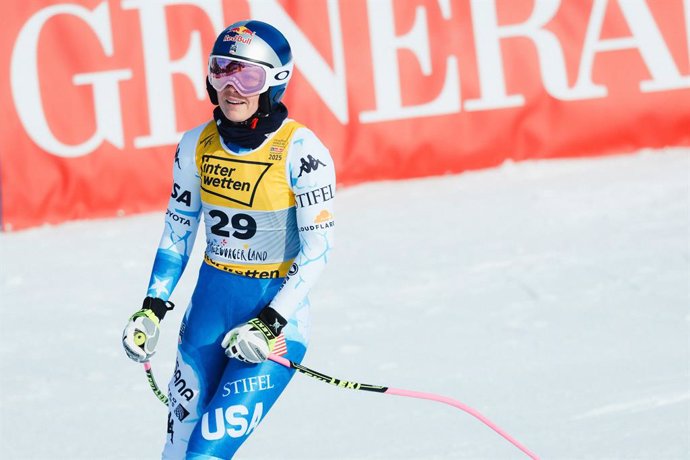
239 34
242 30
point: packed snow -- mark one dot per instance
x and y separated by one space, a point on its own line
552 296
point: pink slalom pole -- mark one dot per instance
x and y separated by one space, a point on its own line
407 393
280 360
466 408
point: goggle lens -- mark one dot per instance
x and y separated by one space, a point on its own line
248 79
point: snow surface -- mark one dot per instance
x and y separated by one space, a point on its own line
552 296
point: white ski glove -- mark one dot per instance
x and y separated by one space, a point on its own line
141 333
254 340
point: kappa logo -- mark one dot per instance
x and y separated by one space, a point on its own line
231 179
309 165
177 157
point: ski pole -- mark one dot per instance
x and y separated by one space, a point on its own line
154 386
398 392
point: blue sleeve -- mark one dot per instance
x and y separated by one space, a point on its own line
181 220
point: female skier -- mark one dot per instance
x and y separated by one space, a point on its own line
265 185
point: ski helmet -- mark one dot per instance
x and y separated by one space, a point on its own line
255 58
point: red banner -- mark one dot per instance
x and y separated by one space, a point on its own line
99 92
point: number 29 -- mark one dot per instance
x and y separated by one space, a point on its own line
244 225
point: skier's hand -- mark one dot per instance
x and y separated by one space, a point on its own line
254 340
141 333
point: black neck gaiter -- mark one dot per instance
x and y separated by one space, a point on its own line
251 133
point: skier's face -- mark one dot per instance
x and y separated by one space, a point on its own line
236 107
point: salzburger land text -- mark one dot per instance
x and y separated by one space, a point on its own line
236 254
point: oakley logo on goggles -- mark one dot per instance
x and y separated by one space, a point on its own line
247 78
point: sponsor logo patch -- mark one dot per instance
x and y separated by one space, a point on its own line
309 164
324 216
181 413
230 179
248 385
314 197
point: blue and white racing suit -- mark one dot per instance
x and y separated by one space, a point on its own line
269 222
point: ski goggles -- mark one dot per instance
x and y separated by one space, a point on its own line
247 78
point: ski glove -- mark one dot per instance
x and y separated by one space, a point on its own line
141 333
254 340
